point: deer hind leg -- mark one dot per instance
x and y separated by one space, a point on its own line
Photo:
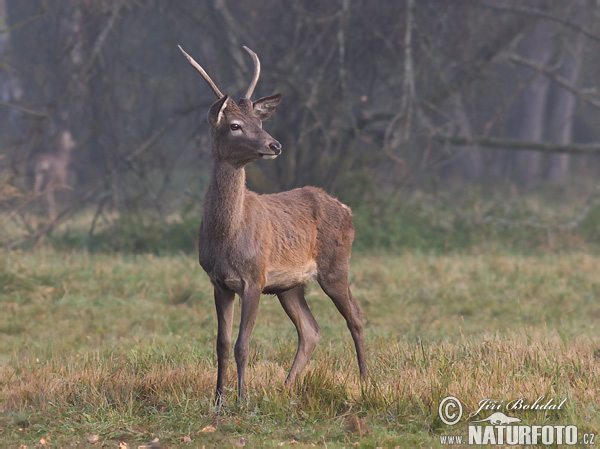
297 309
225 305
250 300
38 181
51 204
335 284
38 185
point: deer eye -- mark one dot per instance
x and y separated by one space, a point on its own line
235 127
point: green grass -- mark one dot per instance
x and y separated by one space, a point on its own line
122 347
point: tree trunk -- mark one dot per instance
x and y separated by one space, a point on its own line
532 105
563 110
471 163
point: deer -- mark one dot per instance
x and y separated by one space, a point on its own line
252 244
50 171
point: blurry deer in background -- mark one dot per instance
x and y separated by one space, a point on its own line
50 171
252 244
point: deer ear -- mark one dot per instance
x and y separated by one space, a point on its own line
215 113
264 107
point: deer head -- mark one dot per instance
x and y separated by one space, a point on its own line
238 137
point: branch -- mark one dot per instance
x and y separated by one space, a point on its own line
469 70
506 144
233 28
116 7
23 109
24 22
556 78
544 15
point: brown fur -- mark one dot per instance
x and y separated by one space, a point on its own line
252 244
50 171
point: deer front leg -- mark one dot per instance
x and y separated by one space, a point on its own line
39 181
225 306
250 300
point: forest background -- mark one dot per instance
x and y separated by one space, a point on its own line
463 135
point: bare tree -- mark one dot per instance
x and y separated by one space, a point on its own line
562 114
530 116
380 90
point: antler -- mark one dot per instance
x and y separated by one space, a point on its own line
210 82
250 90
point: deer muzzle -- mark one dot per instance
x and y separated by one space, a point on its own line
275 148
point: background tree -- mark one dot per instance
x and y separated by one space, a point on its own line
389 96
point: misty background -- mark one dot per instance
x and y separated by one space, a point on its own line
441 123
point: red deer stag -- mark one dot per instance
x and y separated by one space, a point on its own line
252 244
50 171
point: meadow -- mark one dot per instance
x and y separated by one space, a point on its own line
108 349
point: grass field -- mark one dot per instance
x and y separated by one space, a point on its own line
103 349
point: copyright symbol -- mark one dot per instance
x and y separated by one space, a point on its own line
450 410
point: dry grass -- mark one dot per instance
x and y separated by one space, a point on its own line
123 348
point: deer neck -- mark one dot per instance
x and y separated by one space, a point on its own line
63 156
224 204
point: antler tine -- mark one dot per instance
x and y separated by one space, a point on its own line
197 66
250 90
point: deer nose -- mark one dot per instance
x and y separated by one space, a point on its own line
275 147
